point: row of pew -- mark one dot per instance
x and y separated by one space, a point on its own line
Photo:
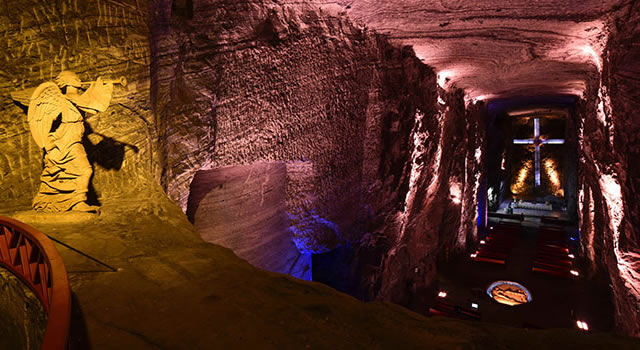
495 248
552 255
497 245
444 307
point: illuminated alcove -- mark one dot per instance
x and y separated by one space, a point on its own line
533 150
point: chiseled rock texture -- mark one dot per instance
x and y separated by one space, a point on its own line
494 48
225 83
610 173
355 118
440 217
379 166
92 38
269 82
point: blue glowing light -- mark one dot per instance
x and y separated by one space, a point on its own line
313 234
481 212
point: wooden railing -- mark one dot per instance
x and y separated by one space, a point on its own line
31 256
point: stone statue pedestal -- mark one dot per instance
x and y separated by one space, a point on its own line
68 217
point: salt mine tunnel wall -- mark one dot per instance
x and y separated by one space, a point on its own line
244 83
237 83
609 176
406 205
356 119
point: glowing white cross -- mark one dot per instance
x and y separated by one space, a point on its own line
537 141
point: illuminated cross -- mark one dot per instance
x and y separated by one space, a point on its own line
537 141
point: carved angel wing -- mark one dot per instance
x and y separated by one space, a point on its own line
23 97
47 102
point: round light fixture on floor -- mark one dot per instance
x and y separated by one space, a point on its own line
509 293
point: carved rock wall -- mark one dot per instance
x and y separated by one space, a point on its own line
239 83
92 38
493 48
257 81
371 153
441 211
610 176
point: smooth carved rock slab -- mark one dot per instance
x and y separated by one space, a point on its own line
244 208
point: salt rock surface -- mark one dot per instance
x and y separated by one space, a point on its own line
610 175
241 83
229 83
495 49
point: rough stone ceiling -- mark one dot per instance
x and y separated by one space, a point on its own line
496 48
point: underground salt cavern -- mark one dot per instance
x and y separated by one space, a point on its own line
314 174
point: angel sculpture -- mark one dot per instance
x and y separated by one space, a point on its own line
57 125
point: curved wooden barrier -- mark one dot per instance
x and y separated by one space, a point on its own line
31 256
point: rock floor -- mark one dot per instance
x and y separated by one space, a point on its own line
173 291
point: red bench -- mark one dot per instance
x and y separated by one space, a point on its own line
563 273
448 309
552 254
496 247
490 258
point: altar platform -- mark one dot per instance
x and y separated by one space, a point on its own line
533 210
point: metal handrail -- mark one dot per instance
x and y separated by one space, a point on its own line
31 256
